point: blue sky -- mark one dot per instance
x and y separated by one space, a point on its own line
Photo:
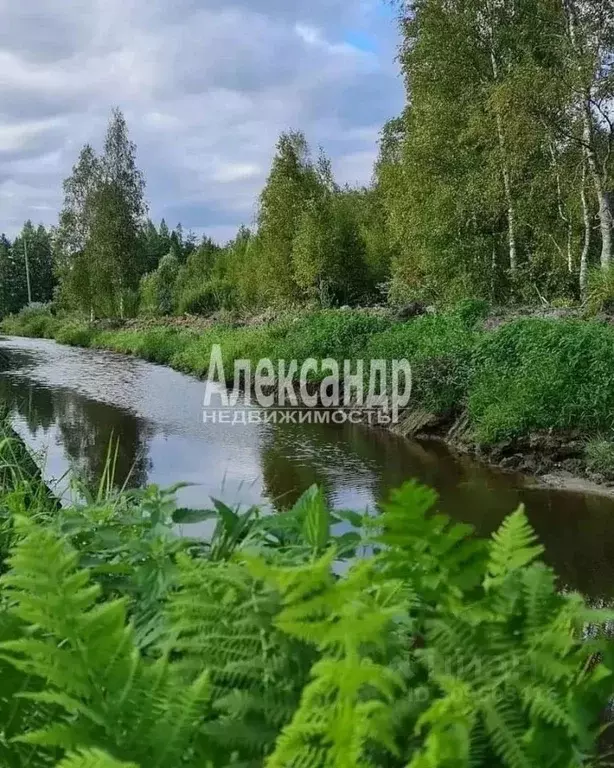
206 86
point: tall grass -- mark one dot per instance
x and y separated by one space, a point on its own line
542 374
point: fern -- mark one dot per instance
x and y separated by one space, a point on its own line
93 758
513 546
223 619
84 654
437 558
345 709
520 661
124 646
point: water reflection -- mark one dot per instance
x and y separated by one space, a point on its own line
83 428
69 402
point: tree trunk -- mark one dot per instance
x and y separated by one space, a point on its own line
588 135
587 234
511 211
566 218
507 182
605 212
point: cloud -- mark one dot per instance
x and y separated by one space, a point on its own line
206 86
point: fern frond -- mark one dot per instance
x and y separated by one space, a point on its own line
83 653
439 560
513 547
345 709
93 758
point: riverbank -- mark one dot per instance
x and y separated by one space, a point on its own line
531 394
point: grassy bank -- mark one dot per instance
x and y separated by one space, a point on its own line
527 375
126 646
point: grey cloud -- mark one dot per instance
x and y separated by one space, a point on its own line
206 86
44 30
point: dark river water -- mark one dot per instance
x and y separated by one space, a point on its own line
67 404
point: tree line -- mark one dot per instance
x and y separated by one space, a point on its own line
495 182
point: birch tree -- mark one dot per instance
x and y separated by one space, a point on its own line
590 71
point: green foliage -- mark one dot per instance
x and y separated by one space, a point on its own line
157 287
439 350
600 291
207 298
271 644
98 252
542 374
76 334
599 455
29 257
472 311
35 321
158 345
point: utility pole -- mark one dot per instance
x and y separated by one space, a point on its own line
25 250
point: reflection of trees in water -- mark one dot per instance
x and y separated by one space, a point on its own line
86 428
284 475
577 530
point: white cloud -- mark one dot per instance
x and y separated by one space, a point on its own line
206 85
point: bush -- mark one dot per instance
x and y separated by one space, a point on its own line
329 333
207 298
75 334
156 289
35 321
472 311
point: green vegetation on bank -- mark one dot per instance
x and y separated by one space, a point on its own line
528 374
124 645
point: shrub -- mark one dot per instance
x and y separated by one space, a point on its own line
207 298
75 334
472 311
35 321
439 350
156 290
329 333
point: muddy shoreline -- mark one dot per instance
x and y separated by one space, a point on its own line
547 459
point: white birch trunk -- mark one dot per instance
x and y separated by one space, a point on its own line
588 134
507 182
587 235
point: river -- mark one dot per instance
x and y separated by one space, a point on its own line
67 403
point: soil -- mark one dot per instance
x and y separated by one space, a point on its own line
547 458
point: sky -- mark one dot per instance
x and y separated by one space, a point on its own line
206 86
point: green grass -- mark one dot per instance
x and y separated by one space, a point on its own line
599 455
537 374
530 374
